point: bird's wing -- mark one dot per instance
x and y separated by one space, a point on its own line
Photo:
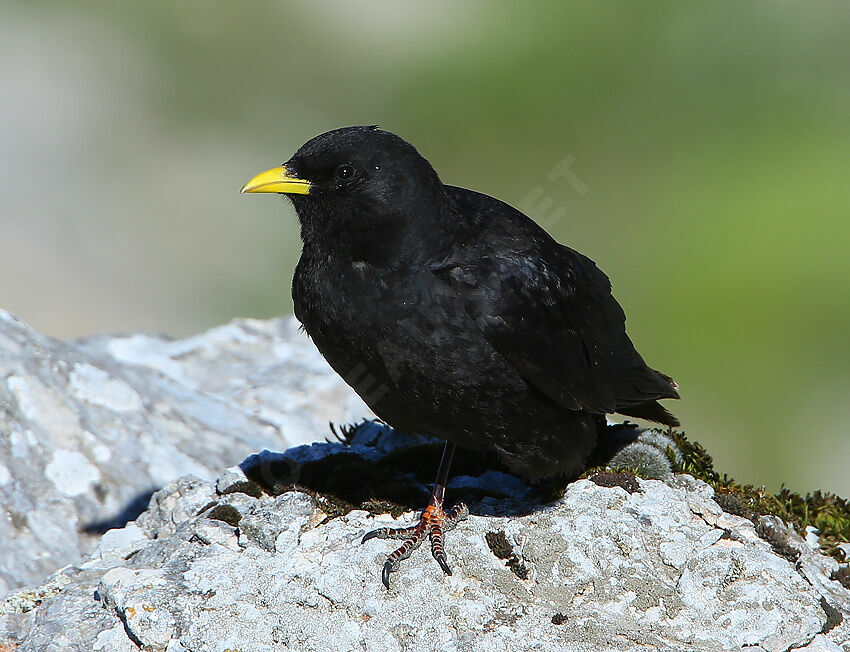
553 318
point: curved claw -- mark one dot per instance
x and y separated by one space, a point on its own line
444 565
385 574
374 534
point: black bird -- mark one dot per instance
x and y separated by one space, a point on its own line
454 315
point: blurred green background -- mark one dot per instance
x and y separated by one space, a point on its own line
710 144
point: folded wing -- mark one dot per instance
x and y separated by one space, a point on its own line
553 318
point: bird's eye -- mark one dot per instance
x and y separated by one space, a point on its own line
345 172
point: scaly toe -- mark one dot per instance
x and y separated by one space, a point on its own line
432 523
391 533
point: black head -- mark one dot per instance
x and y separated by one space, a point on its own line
355 182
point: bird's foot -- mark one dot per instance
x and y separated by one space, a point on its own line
434 522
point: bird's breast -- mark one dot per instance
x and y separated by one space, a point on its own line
402 340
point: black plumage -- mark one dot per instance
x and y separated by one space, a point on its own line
453 314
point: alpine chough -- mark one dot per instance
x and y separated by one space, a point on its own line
454 315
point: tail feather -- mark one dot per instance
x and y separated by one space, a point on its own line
651 411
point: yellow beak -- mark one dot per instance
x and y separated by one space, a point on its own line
277 180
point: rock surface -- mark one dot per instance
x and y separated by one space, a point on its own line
223 565
89 428
266 554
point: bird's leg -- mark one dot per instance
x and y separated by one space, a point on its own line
433 522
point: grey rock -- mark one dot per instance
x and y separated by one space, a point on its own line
233 479
661 568
89 428
276 526
266 555
815 567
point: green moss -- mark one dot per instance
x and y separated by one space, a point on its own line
383 507
694 459
826 512
498 544
330 505
227 513
624 479
842 576
501 547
